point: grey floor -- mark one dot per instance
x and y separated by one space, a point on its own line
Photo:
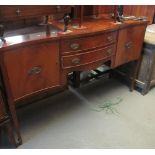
73 119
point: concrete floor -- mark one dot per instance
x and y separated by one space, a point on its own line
72 120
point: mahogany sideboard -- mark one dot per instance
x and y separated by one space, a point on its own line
33 61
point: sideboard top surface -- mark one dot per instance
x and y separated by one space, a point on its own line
39 33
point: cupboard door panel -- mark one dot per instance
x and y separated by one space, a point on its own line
33 68
130 41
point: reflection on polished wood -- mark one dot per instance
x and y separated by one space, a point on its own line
38 33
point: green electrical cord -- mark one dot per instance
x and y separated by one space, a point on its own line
108 106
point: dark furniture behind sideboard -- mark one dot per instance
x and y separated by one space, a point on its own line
6 123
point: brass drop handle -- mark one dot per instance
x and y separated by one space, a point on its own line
35 70
76 61
109 51
110 38
74 46
18 12
129 45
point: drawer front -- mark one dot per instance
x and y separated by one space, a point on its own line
33 68
79 44
13 12
130 41
87 57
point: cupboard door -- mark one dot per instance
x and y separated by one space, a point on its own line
32 68
130 41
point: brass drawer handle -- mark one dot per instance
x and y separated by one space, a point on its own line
76 61
109 51
110 38
129 45
18 12
34 70
74 46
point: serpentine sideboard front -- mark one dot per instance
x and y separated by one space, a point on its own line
33 61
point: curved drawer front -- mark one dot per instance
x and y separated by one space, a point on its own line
79 44
87 57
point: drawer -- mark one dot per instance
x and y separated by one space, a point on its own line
87 57
32 68
12 12
79 44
